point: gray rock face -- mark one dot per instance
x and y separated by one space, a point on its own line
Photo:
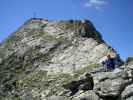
42 55
89 95
110 88
116 85
57 98
127 92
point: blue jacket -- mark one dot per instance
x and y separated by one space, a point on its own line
110 63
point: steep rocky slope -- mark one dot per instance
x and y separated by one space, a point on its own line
42 55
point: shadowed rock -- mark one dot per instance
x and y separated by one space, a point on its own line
83 84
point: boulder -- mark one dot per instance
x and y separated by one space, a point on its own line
110 88
128 92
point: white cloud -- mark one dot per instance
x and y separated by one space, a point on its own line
97 4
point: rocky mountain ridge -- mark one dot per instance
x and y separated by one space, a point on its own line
41 36
42 55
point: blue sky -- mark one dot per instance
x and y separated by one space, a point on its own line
113 18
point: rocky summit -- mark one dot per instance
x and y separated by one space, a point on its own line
60 60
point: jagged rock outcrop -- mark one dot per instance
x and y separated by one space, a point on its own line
42 55
114 85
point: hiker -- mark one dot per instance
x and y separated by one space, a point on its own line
109 63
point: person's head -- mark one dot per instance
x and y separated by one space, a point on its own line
108 56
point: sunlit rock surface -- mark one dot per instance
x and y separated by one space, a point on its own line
42 55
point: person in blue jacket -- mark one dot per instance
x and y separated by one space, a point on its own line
109 63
